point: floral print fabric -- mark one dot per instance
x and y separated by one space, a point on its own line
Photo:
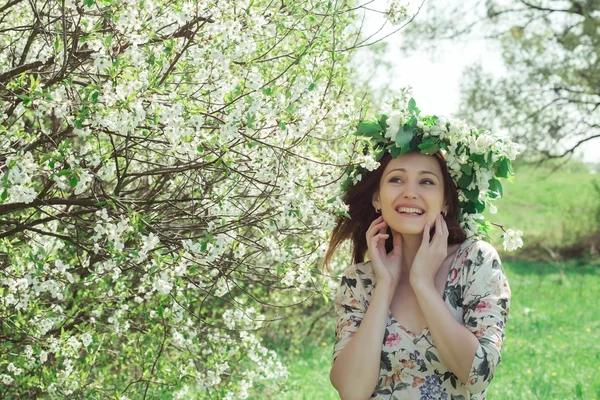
478 296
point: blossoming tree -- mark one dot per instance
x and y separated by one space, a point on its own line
166 172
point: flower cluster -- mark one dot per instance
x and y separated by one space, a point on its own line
476 159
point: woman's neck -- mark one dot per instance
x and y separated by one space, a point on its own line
410 246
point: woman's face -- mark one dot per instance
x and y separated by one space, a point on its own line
411 192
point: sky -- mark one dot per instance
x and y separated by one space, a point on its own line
435 79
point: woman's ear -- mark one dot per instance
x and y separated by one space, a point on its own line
375 201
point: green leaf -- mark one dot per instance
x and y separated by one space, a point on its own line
465 181
429 146
26 99
495 187
368 128
412 104
4 195
395 152
403 138
89 3
472 195
73 181
311 87
200 148
383 122
504 169
480 159
467 169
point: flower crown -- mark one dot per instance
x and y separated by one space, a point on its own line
476 160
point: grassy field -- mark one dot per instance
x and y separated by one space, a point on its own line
553 207
552 350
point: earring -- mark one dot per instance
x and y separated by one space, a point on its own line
378 211
445 213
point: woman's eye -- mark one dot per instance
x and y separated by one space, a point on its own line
428 182
394 180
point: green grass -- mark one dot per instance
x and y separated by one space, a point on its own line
553 207
552 350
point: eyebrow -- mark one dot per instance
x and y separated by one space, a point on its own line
420 172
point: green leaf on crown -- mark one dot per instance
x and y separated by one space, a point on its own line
403 138
383 122
370 129
412 106
480 159
503 168
429 146
495 188
472 195
467 169
465 181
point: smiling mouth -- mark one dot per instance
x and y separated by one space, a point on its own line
410 211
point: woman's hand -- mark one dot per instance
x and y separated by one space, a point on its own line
430 255
387 267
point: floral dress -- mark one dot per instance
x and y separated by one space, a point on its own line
478 296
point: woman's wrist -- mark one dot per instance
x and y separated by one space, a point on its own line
386 290
422 286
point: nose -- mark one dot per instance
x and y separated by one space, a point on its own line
410 191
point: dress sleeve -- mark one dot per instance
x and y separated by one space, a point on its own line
349 309
486 304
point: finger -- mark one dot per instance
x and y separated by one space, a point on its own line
438 226
380 227
425 234
397 244
380 238
444 227
373 227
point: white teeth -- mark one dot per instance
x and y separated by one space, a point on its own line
407 210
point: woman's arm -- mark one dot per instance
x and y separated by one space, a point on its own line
356 369
472 351
455 343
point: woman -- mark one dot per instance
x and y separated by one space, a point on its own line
425 317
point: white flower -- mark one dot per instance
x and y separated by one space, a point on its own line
512 240
84 179
86 339
493 209
396 12
393 122
74 343
43 356
367 162
14 370
481 145
288 280
162 284
22 194
6 379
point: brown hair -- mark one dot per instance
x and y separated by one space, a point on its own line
362 213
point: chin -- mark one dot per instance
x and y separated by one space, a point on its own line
408 229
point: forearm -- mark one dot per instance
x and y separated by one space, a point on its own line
356 369
454 342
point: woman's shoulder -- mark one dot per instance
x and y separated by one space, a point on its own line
362 271
481 248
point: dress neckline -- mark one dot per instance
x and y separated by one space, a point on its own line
425 330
